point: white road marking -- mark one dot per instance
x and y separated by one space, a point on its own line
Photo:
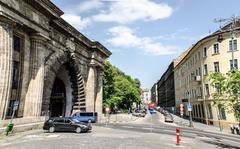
52 136
127 126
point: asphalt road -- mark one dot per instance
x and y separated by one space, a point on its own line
145 133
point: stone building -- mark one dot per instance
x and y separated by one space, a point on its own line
165 88
154 94
46 65
146 96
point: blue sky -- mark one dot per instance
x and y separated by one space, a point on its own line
146 35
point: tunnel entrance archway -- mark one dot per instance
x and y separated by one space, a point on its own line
57 105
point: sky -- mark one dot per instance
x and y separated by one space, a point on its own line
145 36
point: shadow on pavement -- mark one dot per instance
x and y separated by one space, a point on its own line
222 145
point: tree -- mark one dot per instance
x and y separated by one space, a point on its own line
119 90
227 90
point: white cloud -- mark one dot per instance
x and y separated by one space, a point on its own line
77 21
125 37
125 11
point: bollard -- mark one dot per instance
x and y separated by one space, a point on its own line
178 136
9 128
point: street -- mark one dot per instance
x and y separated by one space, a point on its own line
144 133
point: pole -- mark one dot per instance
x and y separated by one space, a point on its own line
178 136
233 63
190 112
151 125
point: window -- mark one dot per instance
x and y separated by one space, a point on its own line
235 64
15 75
205 69
216 66
199 111
205 52
10 108
207 89
199 70
200 90
68 121
217 86
59 120
234 46
210 116
216 48
16 43
221 111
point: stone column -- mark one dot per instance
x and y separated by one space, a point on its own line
6 52
33 102
90 87
99 100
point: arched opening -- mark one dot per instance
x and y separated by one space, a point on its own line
58 99
65 68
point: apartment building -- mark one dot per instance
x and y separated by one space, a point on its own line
146 96
165 88
154 94
212 53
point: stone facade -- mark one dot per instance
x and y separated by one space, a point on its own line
212 53
46 64
165 88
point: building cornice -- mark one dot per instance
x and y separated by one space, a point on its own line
46 6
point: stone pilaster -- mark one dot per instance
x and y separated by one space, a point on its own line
6 51
99 100
33 102
90 88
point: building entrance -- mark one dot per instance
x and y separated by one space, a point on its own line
58 99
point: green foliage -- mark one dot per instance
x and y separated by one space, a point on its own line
229 90
119 90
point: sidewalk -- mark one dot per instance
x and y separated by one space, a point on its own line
201 126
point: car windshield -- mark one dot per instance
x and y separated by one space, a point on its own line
75 120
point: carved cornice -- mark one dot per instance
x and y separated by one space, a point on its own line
46 7
96 64
100 48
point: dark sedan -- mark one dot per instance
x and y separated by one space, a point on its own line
66 124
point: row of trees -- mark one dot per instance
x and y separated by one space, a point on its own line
120 91
227 93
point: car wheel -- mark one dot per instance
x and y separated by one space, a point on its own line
78 129
51 129
89 121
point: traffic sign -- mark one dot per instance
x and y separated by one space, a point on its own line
107 109
151 105
15 105
181 109
189 107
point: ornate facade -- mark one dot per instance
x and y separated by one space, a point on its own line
46 65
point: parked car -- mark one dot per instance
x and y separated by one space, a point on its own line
66 124
152 111
168 117
139 113
85 116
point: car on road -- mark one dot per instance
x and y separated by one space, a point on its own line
152 111
66 124
85 116
139 113
168 117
